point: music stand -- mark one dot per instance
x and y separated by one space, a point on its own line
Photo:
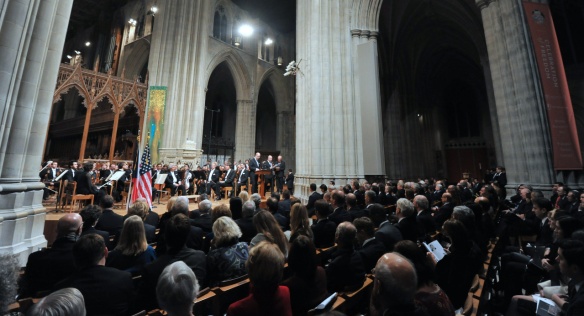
58 179
160 179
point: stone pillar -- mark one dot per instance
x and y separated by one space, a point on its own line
32 35
285 138
520 106
245 128
329 138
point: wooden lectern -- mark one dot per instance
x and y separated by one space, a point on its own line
260 176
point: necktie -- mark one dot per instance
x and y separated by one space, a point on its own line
240 175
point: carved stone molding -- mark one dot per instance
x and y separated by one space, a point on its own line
482 4
364 34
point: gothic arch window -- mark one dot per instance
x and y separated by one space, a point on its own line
220 24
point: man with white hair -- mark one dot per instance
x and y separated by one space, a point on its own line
204 220
177 289
174 181
67 301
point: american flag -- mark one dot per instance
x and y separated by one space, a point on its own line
142 181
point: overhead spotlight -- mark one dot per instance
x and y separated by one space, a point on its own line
77 52
237 40
69 57
87 44
245 30
268 41
154 9
133 22
280 61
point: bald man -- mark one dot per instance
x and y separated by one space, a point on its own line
394 287
50 265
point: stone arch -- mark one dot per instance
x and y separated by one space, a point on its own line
366 14
136 57
277 80
238 70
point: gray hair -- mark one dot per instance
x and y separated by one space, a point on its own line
406 207
8 280
257 199
205 206
399 282
248 209
180 206
67 301
462 212
225 230
177 289
422 202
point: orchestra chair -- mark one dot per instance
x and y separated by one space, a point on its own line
67 195
77 199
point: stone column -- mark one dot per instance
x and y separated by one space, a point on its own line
31 42
521 112
329 133
285 138
245 128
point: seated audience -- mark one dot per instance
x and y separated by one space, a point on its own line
370 247
265 267
109 220
47 267
140 209
394 287
406 219
272 205
339 213
268 230
345 272
67 301
204 221
176 234
177 289
93 277
226 259
90 215
245 223
387 234
307 283
461 263
352 208
152 218
285 204
323 229
299 223
196 234
235 205
244 196
429 296
132 252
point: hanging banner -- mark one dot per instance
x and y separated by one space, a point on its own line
156 106
565 143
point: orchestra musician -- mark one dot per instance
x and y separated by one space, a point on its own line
187 175
47 175
199 179
213 177
174 181
241 178
268 178
227 182
254 165
105 172
73 168
84 184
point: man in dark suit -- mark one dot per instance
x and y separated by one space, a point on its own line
109 220
371 249
571 264
406 220
500 177
442 213
290 181
424 217
47 176
345 272
90 215
339 213
174 181
280 168
285 204
352 207
51 265
242 179
268 178
92 277
273 207
176 234
195 239
213 177
254 165
204 219
72 171
245 223
229 176
323 229
312 198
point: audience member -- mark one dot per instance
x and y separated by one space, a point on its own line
132 252
109 220
352 208
307 281
140 209
323 229
283 221
424 218
177 289
90 215
312 198
285 204
386 233
204 220
345 272
245 223
67 301
226 259
51 265
235 206
92 277
265 267
370 247
244 196
406 223
299 223
268 230
339 213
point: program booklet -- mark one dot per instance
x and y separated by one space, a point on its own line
436 248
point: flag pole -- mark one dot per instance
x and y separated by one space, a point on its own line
136 161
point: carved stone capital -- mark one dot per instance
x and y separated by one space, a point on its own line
355 33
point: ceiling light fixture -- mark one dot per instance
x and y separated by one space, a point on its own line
268 41
69 57
77 52
245 30
87 44
133 22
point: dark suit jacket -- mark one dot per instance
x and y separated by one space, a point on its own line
105 235
229 178
345 271
84 185
195 259
425 223
501 178
371 252
340 215
324 233
150 233
284 207
443 213
169 180
388 235
266 166
242 179
290 181
253 165
408 228
357 213
247 228
280 173
71 174
152 218
107 291
312 198
575 305
204 222
47 267
110 222
216 175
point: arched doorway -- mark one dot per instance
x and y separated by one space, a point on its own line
436 117
220 116
266 118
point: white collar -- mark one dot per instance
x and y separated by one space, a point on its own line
367 240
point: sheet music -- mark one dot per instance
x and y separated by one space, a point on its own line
161 178
117 175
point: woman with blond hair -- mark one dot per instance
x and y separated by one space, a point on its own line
268 230
226 259
132 252
244 196
141 209
299 223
